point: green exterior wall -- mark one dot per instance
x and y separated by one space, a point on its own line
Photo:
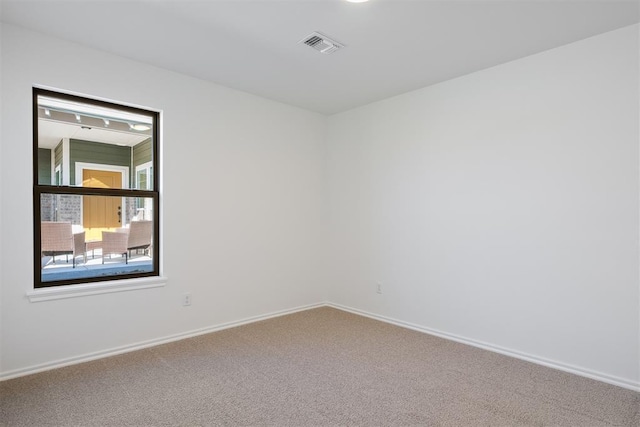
58 154
95 152
142 153
44 166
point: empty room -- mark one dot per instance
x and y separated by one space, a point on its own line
320 212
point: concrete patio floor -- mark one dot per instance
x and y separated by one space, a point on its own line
94 267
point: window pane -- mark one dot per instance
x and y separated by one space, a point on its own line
95 236
144 179
75 137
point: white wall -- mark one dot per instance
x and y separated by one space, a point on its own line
501 207
1 195
243 204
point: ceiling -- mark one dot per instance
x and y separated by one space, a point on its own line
50 133
392 46
63 118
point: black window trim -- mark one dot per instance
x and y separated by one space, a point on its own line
38 190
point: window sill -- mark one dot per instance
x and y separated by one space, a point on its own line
73 291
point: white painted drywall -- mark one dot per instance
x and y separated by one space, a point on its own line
1 195
243 196
501 206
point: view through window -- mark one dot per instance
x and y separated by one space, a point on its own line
96 193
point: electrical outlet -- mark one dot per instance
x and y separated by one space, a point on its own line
379 288
186 299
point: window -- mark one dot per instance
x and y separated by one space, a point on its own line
95 191
58 176
144 177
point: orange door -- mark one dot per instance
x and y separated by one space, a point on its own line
101 213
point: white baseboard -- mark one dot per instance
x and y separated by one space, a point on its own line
598 376
609 379
145 344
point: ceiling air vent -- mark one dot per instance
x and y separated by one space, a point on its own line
321 43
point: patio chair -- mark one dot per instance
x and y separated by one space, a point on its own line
57 238
124 240
115 243
140 233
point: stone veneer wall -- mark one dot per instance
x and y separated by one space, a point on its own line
61 208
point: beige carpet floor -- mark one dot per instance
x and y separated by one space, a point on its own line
321 367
